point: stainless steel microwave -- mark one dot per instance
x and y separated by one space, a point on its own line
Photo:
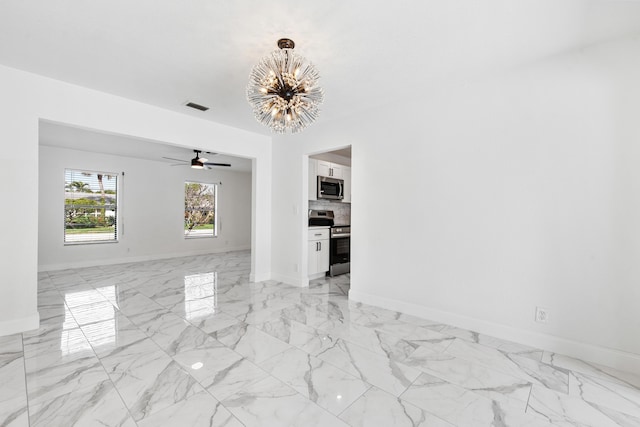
330 188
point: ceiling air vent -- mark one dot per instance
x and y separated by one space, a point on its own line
196 106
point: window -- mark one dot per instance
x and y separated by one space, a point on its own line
200 205
90 200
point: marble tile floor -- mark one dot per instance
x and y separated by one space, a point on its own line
191 342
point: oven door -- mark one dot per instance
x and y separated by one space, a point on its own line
340 250
330 188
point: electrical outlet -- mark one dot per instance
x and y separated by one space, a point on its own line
542 315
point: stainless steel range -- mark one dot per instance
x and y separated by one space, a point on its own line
340 250
339 241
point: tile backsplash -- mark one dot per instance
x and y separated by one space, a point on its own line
341 211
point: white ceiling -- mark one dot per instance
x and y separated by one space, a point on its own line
56 135
369 53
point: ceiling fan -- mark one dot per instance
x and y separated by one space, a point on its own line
198 162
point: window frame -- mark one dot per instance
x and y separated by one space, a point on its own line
117 215
216 216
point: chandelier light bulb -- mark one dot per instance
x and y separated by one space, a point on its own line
283 90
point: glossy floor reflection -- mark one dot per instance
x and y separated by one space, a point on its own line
190 342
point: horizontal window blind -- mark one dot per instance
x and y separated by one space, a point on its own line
90 206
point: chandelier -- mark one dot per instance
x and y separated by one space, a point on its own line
283 90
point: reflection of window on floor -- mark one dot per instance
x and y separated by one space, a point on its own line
73 341
97 316
200 295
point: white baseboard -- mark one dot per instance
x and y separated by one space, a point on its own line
261 277
624 361
124 260
23 324
290 280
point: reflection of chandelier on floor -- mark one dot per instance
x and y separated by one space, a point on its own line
283 90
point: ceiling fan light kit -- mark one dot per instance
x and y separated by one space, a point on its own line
198 162
283 90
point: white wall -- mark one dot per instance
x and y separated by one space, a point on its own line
504 193
151 210
26 99
289 214
290 199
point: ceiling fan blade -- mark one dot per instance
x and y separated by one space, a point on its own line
177 160
217 164
179 164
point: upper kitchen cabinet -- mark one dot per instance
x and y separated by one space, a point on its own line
333 170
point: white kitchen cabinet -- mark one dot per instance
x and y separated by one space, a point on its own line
313 179
333 170
323 168
318 252
346 191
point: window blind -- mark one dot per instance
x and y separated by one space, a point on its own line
90 206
